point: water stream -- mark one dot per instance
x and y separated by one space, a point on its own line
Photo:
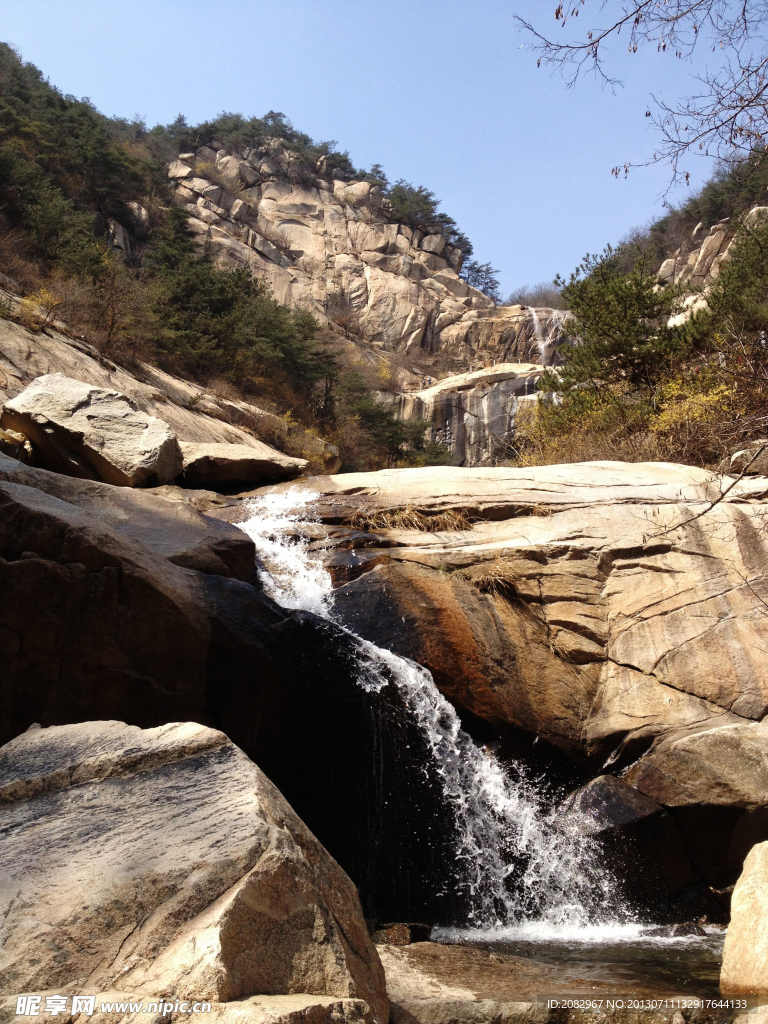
513 858
547 338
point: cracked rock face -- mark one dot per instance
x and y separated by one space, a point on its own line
163 862
328 244
593 605
95 434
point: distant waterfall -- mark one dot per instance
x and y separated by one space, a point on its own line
546 335
513 860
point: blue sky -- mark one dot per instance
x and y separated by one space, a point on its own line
444 93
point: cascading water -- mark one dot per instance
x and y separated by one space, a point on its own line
515 861
546 339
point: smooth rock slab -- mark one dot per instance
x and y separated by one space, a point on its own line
295 1009
163 520
717 766
92 433
210 464
430 983
164 862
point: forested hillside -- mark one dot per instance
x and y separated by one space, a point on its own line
677 372
90 236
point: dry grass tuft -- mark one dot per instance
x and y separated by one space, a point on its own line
499 578
408 518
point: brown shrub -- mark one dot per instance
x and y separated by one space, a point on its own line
409 518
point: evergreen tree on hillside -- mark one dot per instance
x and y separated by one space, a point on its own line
625 342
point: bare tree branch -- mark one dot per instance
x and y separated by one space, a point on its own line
728 118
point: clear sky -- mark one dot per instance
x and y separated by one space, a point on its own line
443 93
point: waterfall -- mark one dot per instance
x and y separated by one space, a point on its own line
546 340
514 859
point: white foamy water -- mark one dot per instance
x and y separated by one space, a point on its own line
546 337
290 574
548 931
519 868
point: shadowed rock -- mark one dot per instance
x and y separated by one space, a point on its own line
210 465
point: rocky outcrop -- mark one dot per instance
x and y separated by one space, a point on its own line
745 955
329 244
472 413
614 611
132 605
92 433
697 261
607 803
169 866
591 572
727 766
192 414
209 465
751 461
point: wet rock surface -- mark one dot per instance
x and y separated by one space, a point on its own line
473 413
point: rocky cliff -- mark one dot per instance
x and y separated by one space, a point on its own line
195 416
614 612
696 262
328 243
473 414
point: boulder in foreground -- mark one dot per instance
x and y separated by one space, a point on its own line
167 864
93 433
208 465
745 956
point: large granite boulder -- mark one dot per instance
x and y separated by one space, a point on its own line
164 863
577 623
211 465
95 434
722 766
132 605
192 414
745 956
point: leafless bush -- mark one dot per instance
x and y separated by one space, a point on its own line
543 294
115 312
342 313
725 116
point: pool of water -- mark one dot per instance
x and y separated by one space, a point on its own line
621 961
